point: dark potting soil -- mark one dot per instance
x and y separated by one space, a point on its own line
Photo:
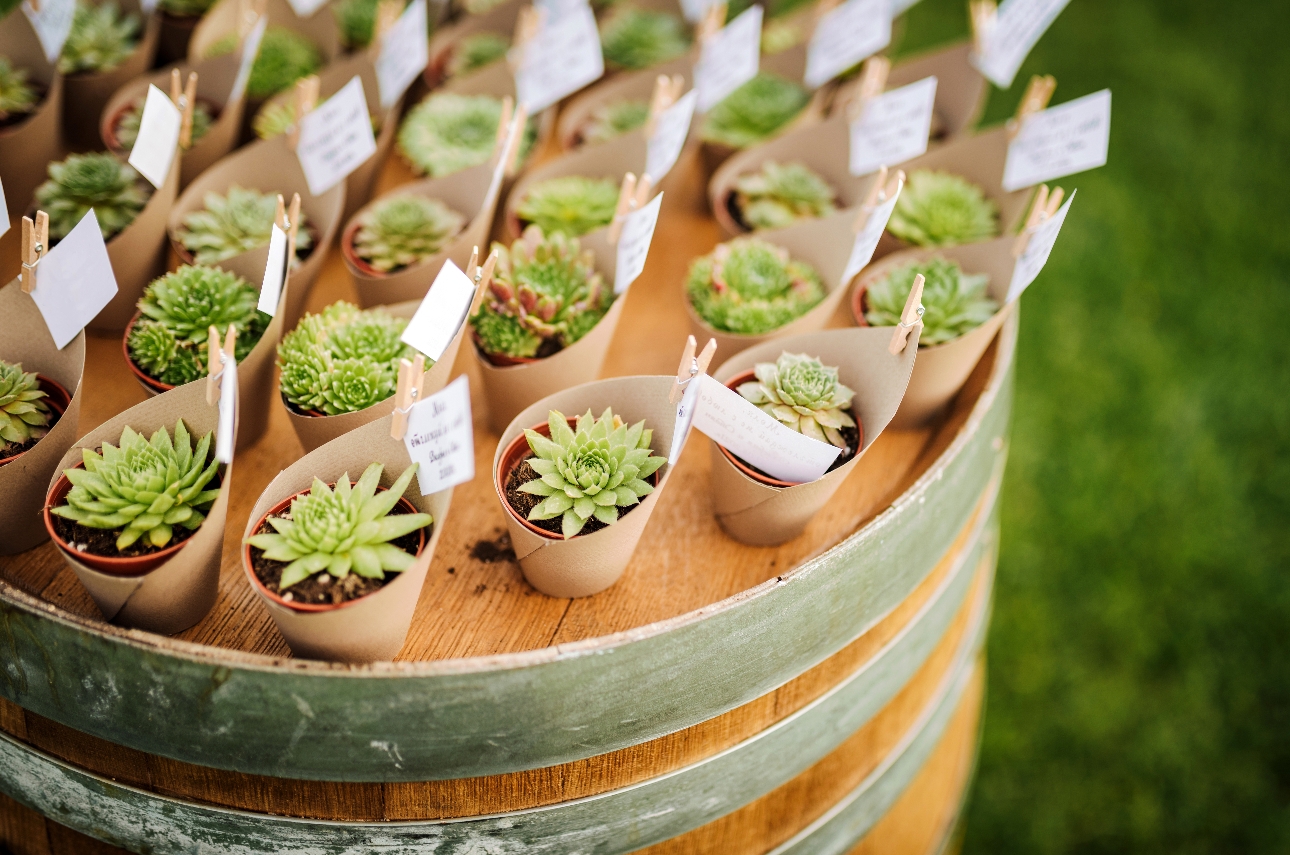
523 502
13 119
102 541
323 588
850 434
15 450
493 551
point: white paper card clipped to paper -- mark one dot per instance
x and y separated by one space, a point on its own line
440 438
634 242
893 127
1037 250
275 272
845 36
52 24
405 52
74 281
441 313
671 130
730 58
306 8
1017 28
4 212
250 48
560 59
757 438
1060 141
336 138
867 239
226 428
154 149
684 420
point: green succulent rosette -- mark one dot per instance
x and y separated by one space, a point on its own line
954 302
615 119
633 38
84 181
404 230
237 222
780 195
749 286
284 57
24 412
17 96
754 112
476 51
101 38
447 133
941 209
571 204
804 394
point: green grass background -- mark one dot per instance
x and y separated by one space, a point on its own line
1139 657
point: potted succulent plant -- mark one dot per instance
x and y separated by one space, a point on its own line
83 181
398 232
633 38
613 120
779 195
955 302
178 19
752 113
942 209
123 129
750 287
473 52
570 204
31 98
447 133
356 20
108 44
284 57
233 223
30 405
19 94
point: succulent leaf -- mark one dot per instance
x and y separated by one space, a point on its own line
17 96
476 51
403 230
635 38
233 224
941 209
570 204
101 38
284 57
780 195
749 286
754 111
357 22
804 394
83 181
954 302
24 413
447 133
615 119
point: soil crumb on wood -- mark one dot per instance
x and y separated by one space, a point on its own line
493 551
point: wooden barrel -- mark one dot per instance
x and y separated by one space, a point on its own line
817 697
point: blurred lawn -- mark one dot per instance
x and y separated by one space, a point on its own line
1139 683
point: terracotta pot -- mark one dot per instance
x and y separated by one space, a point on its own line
112 144
150 384
292 408
352 256
859 305
58 400
263 591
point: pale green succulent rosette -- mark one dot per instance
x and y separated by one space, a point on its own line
476 51
754 111
24 414
571 204
84 181
237 222
447 133
780 195
404 230
803 393
284 57
101 38
277 117
954 303
941 209
127 127
356 20
634 38
17 96
615 119
749 287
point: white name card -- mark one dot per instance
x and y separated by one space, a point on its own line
441 313
52 24
1060 141
633 243
1036 254
845 36
893 127
336 138
306 8
562 58
250 47
758 438
440 438
1017 29
275 272
226 427
671 130
4 212
867 239
405 52
154 149
74 281
730 58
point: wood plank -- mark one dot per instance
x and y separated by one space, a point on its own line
22 831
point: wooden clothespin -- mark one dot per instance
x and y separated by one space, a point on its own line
411 383
518 121
714 18
527 25
691 366
288 219
504 122
248 14
666 91
983 15
1038 93
215 359
911 317
35 243
481 276
881 190
631 195
306 98
869 85
388 13
1041 210
185 99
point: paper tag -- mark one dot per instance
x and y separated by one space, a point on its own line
671 130
306 8
684 421
441 313
52 24
893 127
867 239
730 58
4 212
633 243
74 281
695 9
1037 250
1017 29
1060 141
562 58
154 150
845 36
440 438
757 438
335 138
226 429
275 272
405 52
250 47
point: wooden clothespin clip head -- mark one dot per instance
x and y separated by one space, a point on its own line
411 382
1044 205
387 14
1039 91
983 14
519 121
212 364
714 18
691 366
249 12
872 199
484 275
306 98
291 227
527 25
504 123
626 195
911 317
35 243
472 266
187 104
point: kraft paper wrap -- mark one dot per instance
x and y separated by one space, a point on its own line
221 20
465 192
823 243
588 564
511 388
624 86
86 93
500 20
269 166
315 431
825 147
138 253
25 338
761 515
942 369
181 591
214 85
371 628
27 147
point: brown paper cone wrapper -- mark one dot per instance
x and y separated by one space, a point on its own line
25 338
221 19
27 147
316 431
624 86
942 369
269 166
214 84
371 628
465 192
761 515
511 388
175 33
823 243
181 591
588 564
85 94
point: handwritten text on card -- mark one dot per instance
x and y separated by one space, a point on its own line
730 58
634 242
867 239
845 36
1016 30
1060 141
336 138
440 438
74 281
893 127
405 52
670 132
1037 250
563 57
441 313
154 149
